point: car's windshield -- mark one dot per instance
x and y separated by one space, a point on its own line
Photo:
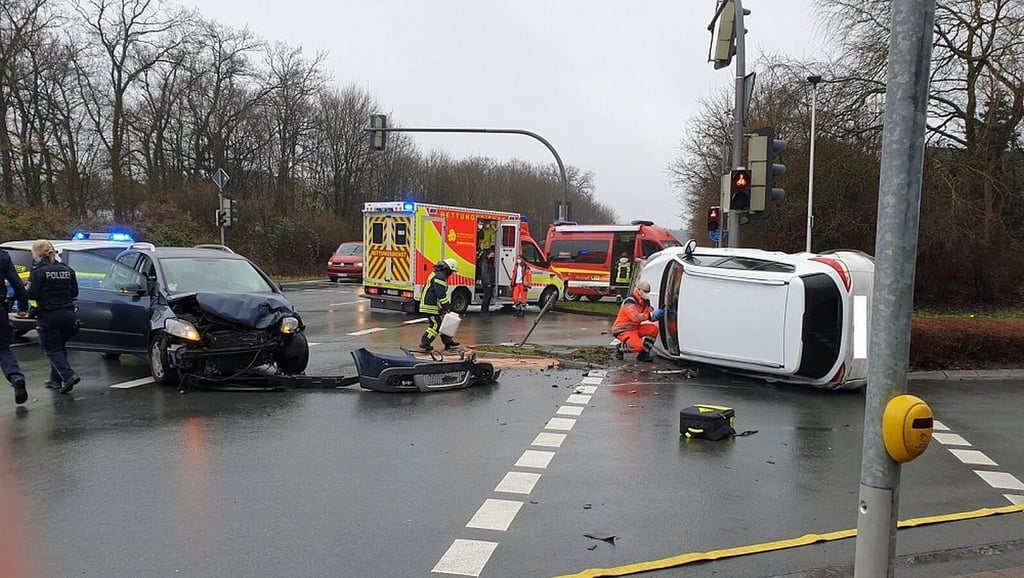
350 249
22 259
194 274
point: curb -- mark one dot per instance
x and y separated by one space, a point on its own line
968 375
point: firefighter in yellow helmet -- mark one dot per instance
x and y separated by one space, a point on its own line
434 303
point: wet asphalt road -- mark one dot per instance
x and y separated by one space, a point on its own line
144 481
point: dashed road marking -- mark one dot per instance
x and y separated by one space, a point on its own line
495 515
560 424
950 439
466 557
518 483
973 457
1001 480
535 459
1014 499
548 440
368 331
939 426
574 410
133 383
591 380
345 303
411 321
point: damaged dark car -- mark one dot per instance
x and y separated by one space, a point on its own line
192 312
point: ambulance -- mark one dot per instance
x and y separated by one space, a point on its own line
403 240
599 260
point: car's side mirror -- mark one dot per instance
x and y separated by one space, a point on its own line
131 289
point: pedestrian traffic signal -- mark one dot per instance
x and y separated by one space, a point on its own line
762 150
739 190
714 218
378 138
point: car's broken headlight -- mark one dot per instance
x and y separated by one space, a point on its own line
289 325
182 329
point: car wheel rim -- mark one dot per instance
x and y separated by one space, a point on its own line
155 362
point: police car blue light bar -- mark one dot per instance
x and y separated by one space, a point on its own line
112 236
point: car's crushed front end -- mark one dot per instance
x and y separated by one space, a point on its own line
227 334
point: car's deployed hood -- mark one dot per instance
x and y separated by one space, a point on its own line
256 310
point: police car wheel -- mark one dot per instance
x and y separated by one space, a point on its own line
162 373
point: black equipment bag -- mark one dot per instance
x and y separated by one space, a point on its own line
713 422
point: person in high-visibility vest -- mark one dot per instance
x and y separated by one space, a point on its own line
434 303
623 270
633 326
522 280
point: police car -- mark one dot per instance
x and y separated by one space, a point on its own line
84 252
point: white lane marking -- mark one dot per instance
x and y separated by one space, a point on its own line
548 440
495 515
465 557
411 321
950 439
573 410
973 457
535 459
597 373
368 331
576 398
1014 499
587 389
592 380
560 424
22 343
860 326
133 383
939 426
1001 480
345 303
518 483
314 344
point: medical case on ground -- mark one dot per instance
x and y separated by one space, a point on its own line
713 422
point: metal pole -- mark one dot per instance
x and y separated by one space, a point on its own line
814 80
563 207
738 114
899 207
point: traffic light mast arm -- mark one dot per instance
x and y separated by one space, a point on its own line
561 167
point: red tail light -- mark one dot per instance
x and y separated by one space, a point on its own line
372 290
407 294
839 266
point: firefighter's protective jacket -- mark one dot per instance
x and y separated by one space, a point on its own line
435 291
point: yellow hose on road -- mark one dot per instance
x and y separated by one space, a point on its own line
805 540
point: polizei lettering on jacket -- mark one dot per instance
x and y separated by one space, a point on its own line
58 274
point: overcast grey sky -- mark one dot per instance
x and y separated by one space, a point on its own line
609 83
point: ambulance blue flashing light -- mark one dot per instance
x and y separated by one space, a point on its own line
408 206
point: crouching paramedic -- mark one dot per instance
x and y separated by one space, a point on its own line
434 303
633 327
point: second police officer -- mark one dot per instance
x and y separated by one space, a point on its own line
54 287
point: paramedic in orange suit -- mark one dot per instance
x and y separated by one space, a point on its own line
635 326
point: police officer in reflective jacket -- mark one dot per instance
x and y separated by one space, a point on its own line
54 286
8 363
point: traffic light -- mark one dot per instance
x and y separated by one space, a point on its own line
739 190
221 218
714 218
378 138
724 44
762 150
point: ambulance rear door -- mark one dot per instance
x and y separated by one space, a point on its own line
507 248
389 254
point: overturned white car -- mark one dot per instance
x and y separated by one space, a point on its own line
799 318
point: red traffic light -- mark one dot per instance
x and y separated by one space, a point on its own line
740 179
713 214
